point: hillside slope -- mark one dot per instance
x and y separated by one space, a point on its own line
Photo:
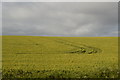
60 57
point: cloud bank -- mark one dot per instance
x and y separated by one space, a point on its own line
77 19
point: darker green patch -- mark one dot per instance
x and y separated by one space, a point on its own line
61 74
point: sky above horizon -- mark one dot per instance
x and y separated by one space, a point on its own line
72 19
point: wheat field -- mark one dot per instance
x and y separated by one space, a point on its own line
59 57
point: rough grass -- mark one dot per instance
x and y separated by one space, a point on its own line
51 57
102 73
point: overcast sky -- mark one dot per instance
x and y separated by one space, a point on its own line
77 19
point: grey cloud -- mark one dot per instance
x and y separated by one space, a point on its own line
60 18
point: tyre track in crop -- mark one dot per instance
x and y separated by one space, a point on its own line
80 48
